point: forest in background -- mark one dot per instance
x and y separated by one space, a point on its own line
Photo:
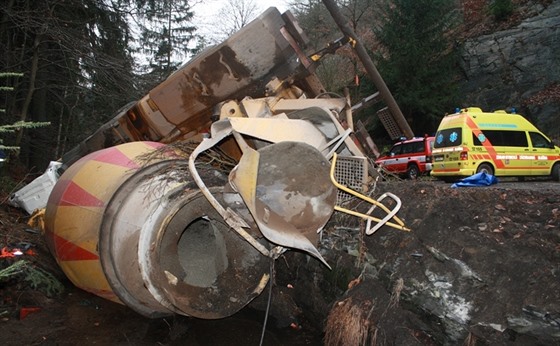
77 62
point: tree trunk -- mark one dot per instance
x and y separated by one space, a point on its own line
7 10
31 90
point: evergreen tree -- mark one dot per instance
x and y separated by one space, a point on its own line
418 60
17 126
167 32
501 9
76 65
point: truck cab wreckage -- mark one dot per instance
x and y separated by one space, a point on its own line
179 203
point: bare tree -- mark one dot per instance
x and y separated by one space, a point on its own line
342 69
234 15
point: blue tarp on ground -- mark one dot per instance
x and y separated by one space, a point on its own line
479 179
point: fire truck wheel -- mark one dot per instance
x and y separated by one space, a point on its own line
412 172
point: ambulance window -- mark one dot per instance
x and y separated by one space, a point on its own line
516 139
538 140
502 138
448 138
510 138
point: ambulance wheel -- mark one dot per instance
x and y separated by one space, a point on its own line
485 167
412 172
556 172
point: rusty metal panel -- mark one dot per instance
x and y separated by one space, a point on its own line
389 123
240 66
365 139
352 172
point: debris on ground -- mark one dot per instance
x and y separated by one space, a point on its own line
480 266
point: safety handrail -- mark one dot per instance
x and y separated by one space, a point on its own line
391 214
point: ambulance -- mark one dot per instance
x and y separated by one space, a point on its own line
498 143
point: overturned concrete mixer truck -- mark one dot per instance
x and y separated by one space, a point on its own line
180 202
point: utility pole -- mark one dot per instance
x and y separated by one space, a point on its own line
370 67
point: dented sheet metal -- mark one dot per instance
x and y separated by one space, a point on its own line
167 235
285 186
241 66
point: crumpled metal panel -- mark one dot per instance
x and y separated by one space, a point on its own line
241 66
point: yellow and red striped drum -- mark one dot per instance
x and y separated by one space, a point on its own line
131 226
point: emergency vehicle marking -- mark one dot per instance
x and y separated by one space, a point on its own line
448 169
489 147
419 158
524 157
506 126
442 150
481 157
453 136
481 137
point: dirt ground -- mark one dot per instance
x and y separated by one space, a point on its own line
481 266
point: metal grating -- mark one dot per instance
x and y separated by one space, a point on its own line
389 123
352 172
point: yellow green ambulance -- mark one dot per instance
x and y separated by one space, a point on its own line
498 143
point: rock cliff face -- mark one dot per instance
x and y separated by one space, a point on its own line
518 67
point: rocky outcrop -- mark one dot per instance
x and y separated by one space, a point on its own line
512 68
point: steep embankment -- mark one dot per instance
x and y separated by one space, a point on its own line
481 266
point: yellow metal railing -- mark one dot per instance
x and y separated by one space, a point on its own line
391 214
